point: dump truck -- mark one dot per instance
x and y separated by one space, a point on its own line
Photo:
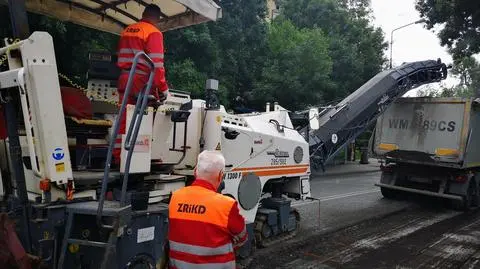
429 147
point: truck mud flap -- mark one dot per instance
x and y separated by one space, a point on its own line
429 193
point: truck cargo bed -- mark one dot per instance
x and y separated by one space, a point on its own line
432 131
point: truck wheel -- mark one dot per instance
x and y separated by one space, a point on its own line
389 193
469 200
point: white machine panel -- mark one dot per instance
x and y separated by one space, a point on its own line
212 131
45 101
141 157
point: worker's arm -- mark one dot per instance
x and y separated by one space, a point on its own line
236 226
154 49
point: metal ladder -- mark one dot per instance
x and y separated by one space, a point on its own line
120 212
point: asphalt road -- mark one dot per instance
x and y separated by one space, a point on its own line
361 229
349 199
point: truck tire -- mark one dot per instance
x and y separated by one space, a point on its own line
470 199
389 193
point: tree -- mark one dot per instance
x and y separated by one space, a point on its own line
356 47
296 73
468 70
231 50
360 8
461 20
428 91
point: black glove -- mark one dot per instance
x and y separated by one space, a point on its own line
163 96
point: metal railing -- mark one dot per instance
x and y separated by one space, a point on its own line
132 133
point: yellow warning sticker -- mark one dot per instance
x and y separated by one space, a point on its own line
60 167
219 119
218 146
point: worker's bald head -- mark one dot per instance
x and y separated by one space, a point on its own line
152 13
210 167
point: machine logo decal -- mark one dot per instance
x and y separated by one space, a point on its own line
298 154
334 138
258 142
58 154
279 154
142 144
191 208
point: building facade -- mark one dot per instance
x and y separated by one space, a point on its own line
273 9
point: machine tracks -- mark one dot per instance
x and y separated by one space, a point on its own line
262 242
416 238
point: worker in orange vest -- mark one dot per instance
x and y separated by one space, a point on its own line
205 227
142 36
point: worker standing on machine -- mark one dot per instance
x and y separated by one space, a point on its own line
205 227
143 36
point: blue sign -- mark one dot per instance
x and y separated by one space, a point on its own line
58 154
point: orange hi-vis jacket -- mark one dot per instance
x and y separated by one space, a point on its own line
143 36
205 228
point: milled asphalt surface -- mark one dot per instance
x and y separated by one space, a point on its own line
361 229
422 236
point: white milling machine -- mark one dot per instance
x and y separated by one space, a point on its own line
267 160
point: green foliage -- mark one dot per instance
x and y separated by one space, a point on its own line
298 66
468 69
183 75
356 47
231 50
461 24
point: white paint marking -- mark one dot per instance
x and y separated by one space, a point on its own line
346 195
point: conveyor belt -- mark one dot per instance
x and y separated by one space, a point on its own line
349 118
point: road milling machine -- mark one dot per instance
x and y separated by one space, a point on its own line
74 207
75 210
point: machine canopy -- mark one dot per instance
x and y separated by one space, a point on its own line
113 16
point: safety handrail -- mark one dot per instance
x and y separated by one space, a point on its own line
142 100
134 126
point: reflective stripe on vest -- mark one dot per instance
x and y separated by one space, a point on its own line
241 235
187 265
200 250
137 71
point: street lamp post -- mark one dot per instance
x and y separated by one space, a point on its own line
398 28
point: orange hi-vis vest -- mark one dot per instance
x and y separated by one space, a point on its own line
143 36
205 228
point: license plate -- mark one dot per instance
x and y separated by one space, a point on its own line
421 179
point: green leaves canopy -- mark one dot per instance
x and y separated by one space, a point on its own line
461 20
298 66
